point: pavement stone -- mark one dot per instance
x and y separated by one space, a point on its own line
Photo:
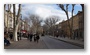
26 44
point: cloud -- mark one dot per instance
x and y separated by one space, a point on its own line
43 10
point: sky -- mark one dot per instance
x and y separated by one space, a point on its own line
46 10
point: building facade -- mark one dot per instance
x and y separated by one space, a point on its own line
78 26
9 25
8 21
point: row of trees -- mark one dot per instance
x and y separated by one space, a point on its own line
35 22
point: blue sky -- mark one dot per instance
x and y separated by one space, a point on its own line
45 10
77 8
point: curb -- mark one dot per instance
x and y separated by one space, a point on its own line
77 44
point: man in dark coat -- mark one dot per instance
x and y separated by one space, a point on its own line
37 37
6 42
34 37
31 37
18 36
11 36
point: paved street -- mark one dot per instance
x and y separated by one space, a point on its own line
45 42
56 44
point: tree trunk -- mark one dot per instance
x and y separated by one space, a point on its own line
4 16
18 21
72 21
68 24
15 39
7 20
15 32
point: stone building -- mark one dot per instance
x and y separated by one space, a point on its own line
78 26
8 21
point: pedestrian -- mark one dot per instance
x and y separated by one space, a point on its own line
6 41
18 36
34 37
31 37
37 37
28 36
57 35
10 35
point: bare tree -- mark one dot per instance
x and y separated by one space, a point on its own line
27 22
14 16
50 22
35 22
18 21
65 9
45 28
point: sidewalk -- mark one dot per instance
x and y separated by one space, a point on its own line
26 44
71 41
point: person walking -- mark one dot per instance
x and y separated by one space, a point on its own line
31 37
28 36
34 37
11 36
6 41
18 36
37 37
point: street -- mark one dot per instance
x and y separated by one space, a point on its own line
56 44
45 42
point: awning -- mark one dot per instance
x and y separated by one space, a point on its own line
23 31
